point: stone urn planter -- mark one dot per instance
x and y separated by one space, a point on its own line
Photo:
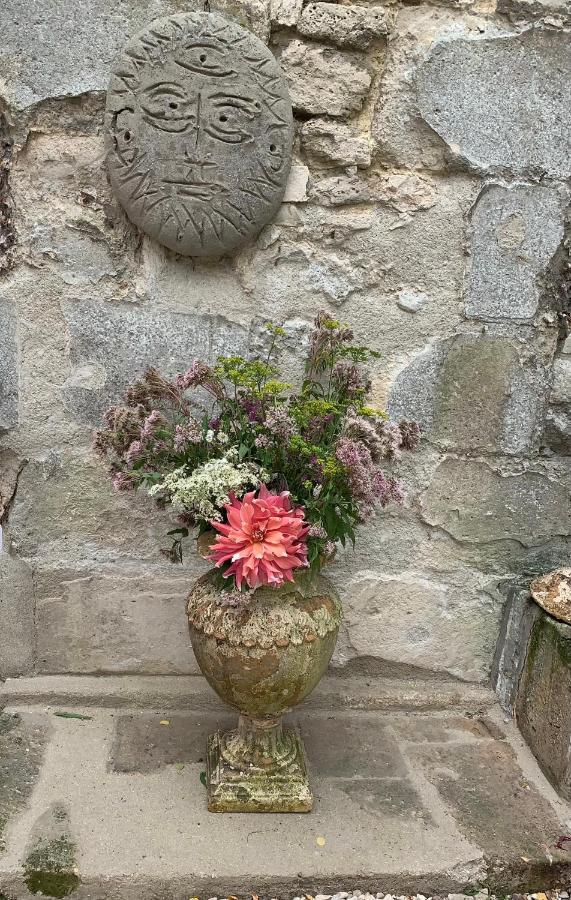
262 658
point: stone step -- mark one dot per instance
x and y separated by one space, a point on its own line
193 692
113 806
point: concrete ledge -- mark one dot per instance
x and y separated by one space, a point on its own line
193 692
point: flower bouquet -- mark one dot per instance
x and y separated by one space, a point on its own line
273 477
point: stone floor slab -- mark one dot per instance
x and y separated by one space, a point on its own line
404 802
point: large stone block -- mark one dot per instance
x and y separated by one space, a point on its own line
502 104
515 232
555 12
66 49
335 143
111 620
323 81
543 708
476 503
414 620
472 392
17 636
346 26
111 347
65 508
8 372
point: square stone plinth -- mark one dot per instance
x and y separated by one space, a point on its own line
255 791
543 706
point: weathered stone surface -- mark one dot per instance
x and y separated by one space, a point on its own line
340 190
296 187
142 744
411 301
553 593
515 232
553 12
476 503
543 709
561 392
410 619
80 45
346 26
16 617
198 159
22 741
285 12
496 103
323 81
335 143
518 618
50 864
8 371
406 194
106 619
557 430
437 389
483 783
105 339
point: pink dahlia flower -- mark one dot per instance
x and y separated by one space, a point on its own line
264 539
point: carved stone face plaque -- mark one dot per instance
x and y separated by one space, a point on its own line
199 131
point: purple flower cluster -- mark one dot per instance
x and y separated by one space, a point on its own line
280 424
369 485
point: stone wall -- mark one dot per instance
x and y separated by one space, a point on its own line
428 205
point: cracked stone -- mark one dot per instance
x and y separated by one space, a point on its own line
406 193
335 143
515 232
340 190
475 503
323 81
497 104
346 26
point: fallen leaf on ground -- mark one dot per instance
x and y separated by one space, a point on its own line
320 841
72 715
165 721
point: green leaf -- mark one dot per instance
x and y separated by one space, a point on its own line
73 715
203 778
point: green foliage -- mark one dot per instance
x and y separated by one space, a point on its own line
251 416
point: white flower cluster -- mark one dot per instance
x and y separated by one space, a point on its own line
206 490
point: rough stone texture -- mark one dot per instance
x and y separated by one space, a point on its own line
335 143
476 503
561 391
552 12
323 81
8 370
457 277
16 616
437 389
496 103
444 792
22 741
340 190
346 26
285 12
199 134
515 232
518 618
99 345
543 708
80 45
108 620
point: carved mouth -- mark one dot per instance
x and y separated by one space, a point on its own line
197 190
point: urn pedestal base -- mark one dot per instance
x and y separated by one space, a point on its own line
258 767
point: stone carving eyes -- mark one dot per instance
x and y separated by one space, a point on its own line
166 106
204 59
230 116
